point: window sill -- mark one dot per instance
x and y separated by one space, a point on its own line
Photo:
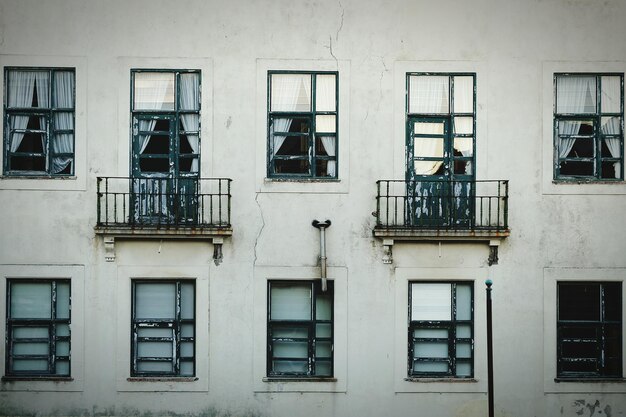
299 379
12 378
37 177
162 379
591 380
446 380
580 181
300 179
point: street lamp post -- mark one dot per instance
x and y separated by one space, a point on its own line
489 283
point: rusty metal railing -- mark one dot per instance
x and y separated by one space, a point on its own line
164 202
442 204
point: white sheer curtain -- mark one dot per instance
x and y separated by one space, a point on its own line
151 93
151 90
21 88
326 101
429 94
574 95
289 92
189 100
611 126
427 147
63 143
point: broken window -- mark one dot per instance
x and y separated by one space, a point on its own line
588 126
38 328
589 330
39 121
163 328
302 124
299 329
441 329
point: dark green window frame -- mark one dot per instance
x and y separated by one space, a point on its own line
314 153
450 162
316 334
41 162
599 156
442 332
175 129
183 331
589 330
56 335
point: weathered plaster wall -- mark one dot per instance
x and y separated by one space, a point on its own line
513 46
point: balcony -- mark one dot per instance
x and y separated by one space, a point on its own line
184 207
438 210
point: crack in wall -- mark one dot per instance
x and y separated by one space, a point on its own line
343 11
330 48
258 236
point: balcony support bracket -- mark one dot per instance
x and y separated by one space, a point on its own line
388 246
218 256
493 252
109 249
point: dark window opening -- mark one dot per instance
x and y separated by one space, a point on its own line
589 330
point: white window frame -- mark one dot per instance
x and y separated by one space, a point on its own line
405 384
551 186
550 278
76 275
78 180
338 383
124 381
338 185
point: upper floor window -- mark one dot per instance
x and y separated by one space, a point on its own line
589 330
441 114
39 121
441 329
38 328
166 123
302 124
588 127
299 329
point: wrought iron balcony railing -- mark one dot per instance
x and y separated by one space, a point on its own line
184 202
455 205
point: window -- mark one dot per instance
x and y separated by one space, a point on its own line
166 122
165 161
163 328
302 124
38 328
39 121
589 329
588 126
441 330
299 329
440 145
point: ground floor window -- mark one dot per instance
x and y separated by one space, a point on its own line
441 329
38 328
163 328
299 329
589 329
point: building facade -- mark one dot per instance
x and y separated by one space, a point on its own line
279 208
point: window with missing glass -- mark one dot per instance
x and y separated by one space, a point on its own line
441 329
302 124
38 328
588 127
166 123
163 328
39 109
589 330
299 329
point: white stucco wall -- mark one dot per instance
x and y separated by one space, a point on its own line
559 231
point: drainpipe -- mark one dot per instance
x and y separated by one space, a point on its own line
322 227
